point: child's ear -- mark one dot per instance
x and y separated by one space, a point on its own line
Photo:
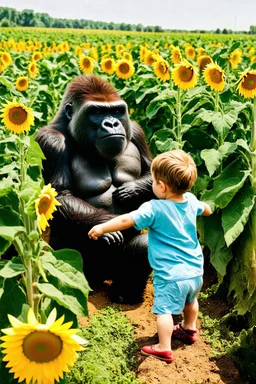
162 185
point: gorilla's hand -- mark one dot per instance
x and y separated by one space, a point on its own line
112 238
126 192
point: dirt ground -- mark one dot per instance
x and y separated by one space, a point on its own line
193 364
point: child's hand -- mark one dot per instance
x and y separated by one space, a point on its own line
95 232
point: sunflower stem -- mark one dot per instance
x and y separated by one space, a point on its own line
29 283
216 101
178 113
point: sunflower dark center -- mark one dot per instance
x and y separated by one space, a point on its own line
86 63
42 347
216 76
163 68
44 204
249 81
124 68
204 62
185 74
17 115
33 68
108 64
22 82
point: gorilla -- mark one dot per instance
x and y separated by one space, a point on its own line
99 162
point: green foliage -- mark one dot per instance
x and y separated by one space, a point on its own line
244 354
109 357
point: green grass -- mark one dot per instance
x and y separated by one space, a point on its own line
109 357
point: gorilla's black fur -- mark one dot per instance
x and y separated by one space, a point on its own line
99 162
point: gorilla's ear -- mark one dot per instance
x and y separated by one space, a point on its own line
68 111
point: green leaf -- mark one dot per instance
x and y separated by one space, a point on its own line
143 92
9 233
12 268
212 159
234 46
223 122
226 185
11 301
68 275
34 154
71 257
214 238
69 301
236 214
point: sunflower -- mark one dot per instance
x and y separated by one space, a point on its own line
200 52
143 51
161 69
150 58
247 84
214 77
32 69
37 56
185 75
94 53
17 117
40 353
203 60
108 66
124 69
120 48
127 56
6 59
253 59
176 55
235 58
45 205
190 52
22 83
86 64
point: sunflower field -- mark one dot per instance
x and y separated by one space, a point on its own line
189 91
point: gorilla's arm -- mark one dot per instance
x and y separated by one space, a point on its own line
75 211
136 192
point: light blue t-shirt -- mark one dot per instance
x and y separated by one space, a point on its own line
174 251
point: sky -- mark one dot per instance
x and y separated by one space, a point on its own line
237 15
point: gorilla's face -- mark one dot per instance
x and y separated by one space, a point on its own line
101 128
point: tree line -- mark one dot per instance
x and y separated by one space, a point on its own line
10 17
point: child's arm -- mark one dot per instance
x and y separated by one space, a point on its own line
117 224
207 210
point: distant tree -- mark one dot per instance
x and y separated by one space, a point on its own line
252 30
217 31
139 28
225 31
5 22
157 28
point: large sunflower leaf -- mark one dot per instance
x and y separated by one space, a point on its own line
214 238
226 185
12 268
65 273
212 159
74 300
236 214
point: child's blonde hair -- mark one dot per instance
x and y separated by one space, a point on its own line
176 169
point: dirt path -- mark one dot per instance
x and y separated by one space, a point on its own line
193 363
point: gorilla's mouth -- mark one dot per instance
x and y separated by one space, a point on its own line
117 135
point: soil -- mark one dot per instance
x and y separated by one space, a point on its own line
194 364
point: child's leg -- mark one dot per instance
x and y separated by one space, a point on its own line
164 329
190 315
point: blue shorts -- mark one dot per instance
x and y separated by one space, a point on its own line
171 297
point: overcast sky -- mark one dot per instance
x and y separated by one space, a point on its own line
170 14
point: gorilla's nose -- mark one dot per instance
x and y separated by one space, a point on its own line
111 123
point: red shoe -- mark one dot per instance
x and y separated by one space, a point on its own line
189 336
166 356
